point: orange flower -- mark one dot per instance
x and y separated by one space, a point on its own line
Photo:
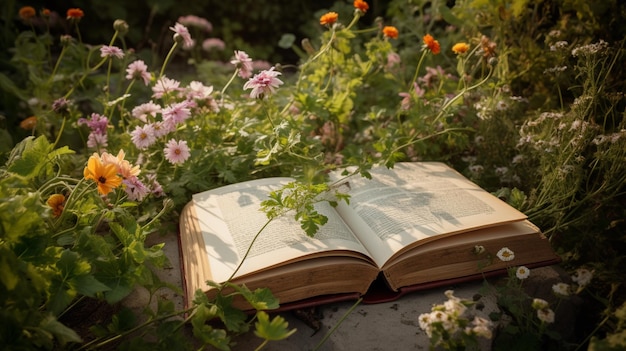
45 12
432 44
29 123
57 203
460 48
104 175
75 14
390 32
27 12
329 18
361 5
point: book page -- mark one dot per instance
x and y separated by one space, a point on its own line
230 218
416 202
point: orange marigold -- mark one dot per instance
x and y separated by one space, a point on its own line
57 203
27 12
361 5
329 18
390 32
460 48
75 14
29 123
432 44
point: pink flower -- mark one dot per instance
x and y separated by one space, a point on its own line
160 129
141 112
135 189
213 43
176 152
109 51
143 137
164 86
197 90
96 140
244 63
97 123
263 83
176 113
182 33
195 21
138 70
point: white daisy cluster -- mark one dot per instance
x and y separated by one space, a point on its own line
447 323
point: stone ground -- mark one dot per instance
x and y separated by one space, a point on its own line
385 326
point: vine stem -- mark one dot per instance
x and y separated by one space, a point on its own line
341 320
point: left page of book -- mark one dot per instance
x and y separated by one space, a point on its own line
230 217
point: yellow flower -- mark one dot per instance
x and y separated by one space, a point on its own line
329 18
104 175
56 202
361 5
27 12
460 48
390 32
29 123
432 44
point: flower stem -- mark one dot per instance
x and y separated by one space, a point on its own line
167 58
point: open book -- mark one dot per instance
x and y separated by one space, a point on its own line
413 226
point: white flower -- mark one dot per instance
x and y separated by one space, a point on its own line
522 272
561 289
540 304
546 315
582 277
505 254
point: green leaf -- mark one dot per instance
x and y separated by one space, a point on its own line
62 333
286 40
88 285
8 276
32 159
122 234
273 330
260 299
234 319
137 251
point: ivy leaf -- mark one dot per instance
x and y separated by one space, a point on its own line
273 330
260 299
233 318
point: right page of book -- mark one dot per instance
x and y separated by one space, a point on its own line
416 202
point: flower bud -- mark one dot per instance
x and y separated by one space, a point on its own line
121 27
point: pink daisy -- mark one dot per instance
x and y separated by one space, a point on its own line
138 70
213 43
244 63
135 189
164 86
176 113
110 51
141 112
160 129
197 90
263 83
96 140
143 137
182 32
176 152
